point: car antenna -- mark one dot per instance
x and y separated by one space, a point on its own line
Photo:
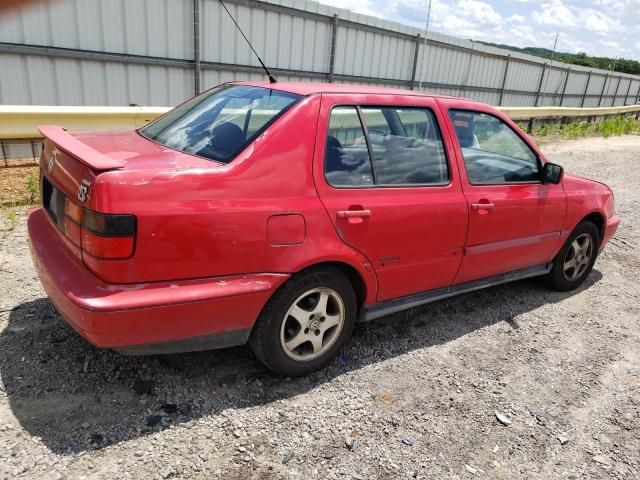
272 79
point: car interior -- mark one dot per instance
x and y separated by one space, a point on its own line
404 153
492 152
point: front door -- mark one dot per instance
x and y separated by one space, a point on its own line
382 171
515 220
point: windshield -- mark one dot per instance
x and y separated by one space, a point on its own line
221 122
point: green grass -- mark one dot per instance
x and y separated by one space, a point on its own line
611 126
12 219
12 216
33 188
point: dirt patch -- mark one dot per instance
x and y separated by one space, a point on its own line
421 394
18 184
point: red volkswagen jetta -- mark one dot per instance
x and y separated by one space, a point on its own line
280 214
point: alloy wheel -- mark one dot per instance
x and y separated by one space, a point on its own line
312 324
577 258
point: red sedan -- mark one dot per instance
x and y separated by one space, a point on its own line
280 214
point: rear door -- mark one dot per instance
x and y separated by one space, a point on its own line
382 171
515 220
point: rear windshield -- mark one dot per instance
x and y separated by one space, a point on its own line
221 122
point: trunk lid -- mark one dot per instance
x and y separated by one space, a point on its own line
82 152
71 164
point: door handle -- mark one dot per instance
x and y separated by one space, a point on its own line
482 206
353 213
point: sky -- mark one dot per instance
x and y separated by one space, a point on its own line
597 27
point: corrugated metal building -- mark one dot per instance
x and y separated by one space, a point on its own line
159 52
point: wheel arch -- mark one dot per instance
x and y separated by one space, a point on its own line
355 277
598 219
349 271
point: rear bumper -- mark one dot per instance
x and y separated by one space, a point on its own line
610 230
160 317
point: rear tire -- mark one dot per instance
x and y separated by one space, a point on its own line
574 261
306 322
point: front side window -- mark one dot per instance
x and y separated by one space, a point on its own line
220 123
493 153
404 143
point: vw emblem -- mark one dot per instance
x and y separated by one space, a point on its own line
83 190
52 161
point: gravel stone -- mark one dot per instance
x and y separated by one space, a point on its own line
143 387
153 420
471 469
169 408
601 459
349 443
503 419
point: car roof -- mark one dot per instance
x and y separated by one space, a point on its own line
312 88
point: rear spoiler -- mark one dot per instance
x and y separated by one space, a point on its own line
81 151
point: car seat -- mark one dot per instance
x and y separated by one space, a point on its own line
333 155
225 140
464 123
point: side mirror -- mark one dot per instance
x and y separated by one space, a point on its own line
552 173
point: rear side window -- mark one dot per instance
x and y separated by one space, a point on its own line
346 159
493 153
220 123
404 143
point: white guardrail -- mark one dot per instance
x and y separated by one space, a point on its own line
20 122
526 113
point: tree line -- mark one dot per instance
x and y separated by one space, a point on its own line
621 65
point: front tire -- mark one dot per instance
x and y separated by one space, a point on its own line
574 262
306 322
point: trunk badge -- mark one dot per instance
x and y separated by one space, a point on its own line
83 190
52 160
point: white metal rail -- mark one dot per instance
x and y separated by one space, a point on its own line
21 122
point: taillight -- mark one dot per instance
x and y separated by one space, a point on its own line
108 236
72 221
104 236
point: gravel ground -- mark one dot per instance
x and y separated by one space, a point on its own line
415 395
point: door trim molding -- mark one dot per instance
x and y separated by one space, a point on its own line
515 242
389 307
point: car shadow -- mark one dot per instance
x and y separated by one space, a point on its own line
76 397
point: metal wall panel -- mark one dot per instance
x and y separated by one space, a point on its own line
523 76
634 93
283 41
552 87
215 77
626 91
576 83
117 52
518 100
161 28
593 90
82 82
368 54
622 91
